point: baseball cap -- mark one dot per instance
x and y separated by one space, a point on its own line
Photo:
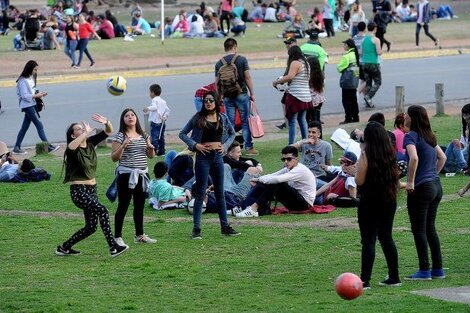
349 156
314 36
350 43
290 40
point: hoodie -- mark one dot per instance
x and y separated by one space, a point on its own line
342 138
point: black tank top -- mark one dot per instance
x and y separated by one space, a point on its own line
70 29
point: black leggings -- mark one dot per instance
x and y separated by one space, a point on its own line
330 30
380 33
377 223
125 194
85 198
426 31
225 16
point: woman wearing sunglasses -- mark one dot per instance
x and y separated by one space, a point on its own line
211 135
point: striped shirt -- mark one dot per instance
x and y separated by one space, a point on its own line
135 154
299 87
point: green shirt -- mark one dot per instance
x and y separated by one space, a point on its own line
369 51
347 59
80 164
314 50
164 191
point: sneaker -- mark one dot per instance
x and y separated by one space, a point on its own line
248 212
5 33
119 241
390 282
18 150
196 235
118 250
52 149
420 275
92 64
251 151
144 239
229 231
368 102
281 126
438 274
63 252
365 285
236 210
77 67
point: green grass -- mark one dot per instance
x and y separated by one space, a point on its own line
278 264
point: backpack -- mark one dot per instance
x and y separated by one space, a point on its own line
227 78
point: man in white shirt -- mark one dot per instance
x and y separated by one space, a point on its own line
294 186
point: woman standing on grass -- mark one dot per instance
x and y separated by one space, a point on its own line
80 162
426 160
377 178
211 135
28 95
131 147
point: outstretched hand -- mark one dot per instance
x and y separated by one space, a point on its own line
99 118
87 128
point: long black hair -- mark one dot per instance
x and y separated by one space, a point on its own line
317 77
28 70
200 120
465 125
69 139
123 126
382 167
295 54
420 124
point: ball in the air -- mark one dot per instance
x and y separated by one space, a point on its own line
116 85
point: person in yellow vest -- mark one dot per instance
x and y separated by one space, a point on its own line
348 66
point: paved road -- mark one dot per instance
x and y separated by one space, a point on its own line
70 102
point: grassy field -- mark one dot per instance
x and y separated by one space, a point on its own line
257 39
278 264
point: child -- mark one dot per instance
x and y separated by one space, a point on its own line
162 193
158 115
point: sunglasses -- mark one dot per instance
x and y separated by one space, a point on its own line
288 159
209 100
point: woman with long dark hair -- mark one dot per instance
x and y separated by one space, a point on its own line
131 147
27 95
426 160
211 135
378 180
297 98
317 85
80 162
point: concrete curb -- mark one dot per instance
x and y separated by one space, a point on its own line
55 77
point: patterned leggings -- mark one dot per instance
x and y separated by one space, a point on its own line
85 198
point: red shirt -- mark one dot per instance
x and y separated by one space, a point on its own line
85 30
108 28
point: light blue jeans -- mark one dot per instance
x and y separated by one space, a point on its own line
301 118
455 159
70 47
242 103
30 115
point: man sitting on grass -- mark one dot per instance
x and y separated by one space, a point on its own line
294 186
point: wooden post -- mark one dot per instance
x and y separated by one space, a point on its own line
399 99
439 98
146 123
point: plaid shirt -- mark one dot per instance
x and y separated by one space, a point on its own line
203 90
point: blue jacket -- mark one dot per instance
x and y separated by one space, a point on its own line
228 133
426 12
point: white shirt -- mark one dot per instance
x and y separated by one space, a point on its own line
300 178
159 110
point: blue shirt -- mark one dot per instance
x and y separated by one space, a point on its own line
427 158
144 25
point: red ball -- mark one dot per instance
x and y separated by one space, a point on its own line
348 286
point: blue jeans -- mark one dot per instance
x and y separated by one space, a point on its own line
70 47
82 46
158 141
17 42
212 162
30 115
455 160
301 118
242 102
422 209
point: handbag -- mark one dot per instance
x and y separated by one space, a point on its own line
349 79
112 191
39 104
255 123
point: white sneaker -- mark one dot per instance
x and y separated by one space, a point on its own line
144 239
236 210
119 241
248 212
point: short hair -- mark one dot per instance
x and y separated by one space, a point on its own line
27 166
160 169
290 150
399 120
315 124
156 89
371 26
361 26
233 145
377 117
229 44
